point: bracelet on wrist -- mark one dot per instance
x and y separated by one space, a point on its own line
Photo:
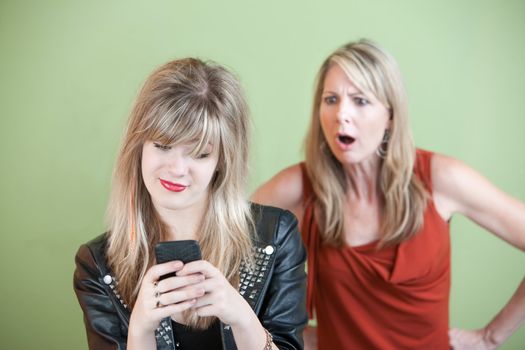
269 340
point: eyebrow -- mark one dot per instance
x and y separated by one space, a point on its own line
336 93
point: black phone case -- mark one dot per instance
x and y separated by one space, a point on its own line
185 251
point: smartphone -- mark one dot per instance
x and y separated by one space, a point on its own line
184 250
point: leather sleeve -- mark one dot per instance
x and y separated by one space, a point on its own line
284 307
105 329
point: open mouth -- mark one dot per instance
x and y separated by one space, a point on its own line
345 139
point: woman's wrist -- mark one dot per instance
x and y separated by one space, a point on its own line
256 337
247 319
249 332
138 339
245 316
137 331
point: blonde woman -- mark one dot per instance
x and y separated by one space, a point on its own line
374 213
180 175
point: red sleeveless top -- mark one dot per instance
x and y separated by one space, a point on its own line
389 299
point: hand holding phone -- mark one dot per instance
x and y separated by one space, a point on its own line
184 250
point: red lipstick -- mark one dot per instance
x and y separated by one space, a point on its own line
173 187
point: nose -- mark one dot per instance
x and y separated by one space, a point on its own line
344 111
178 165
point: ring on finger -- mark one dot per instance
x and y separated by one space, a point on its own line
157 293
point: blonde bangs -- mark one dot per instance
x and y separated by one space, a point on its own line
184 124
367 80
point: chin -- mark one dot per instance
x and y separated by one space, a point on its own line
170 204
347 158
354 158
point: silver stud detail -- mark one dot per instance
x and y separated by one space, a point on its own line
269 250
107 279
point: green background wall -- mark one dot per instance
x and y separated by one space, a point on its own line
69 71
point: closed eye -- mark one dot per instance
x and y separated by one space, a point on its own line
161 146
203 155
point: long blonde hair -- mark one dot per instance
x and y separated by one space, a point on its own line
370 68
183 101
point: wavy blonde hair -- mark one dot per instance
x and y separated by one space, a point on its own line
370 68
183 101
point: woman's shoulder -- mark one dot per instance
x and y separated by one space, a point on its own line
92 253
96 244
273 224
423 167
283 190
269 214
439 168
449 179
423 159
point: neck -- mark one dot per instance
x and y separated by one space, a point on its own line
363 179
183 223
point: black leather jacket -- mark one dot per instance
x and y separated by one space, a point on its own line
275 291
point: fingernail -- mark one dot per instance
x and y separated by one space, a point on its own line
177 264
